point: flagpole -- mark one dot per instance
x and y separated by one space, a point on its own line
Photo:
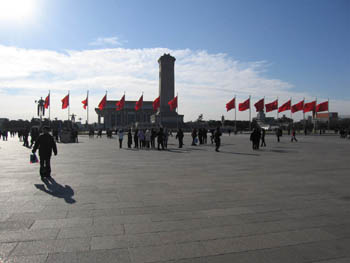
49 105
250 124
304 113
329 118
235 116
68 105
177 111
277 108
315 115
142 107
87 110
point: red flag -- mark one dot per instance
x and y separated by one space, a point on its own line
156 103
310 106
47 101
285 106
231 104
65 102
85 102
271 106
259 106
139 103
244 105
322 106
120 104
298 107
103 102
173 103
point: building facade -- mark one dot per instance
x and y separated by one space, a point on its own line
126 117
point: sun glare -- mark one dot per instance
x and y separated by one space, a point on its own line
17 10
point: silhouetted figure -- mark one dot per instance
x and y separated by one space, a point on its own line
160 139
46 144
212 132
141 136
194 136
129 138
205 135
263 132
278 134
153 138
293 136
217 136
180 137
99 133
136 139
25 138
166 137
121 136
229 132
255 138
147 138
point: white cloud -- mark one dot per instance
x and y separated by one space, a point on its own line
107 41
205 82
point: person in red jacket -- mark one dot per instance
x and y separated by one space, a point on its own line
46 144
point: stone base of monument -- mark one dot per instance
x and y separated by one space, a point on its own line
169 121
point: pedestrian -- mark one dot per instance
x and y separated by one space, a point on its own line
180 137
217 136
212 133
263 132
25 138
147 138
129 138
46 144
255 137
153 138
293 136
136 139
205 135
160 139
166 137
121 136
278 134
141 136
99 133
194 136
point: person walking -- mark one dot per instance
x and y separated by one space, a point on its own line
278 134
141 136
166 137
293 136
263 132
160 139
46 145
217 136
121 136
136 139
180 137
147 138
153 138
129 138
254 137
194 136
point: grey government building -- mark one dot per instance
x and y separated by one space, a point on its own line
146 117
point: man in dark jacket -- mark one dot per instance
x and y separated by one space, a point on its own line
217 136
180 137
46 144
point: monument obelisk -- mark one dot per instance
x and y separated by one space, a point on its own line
165 117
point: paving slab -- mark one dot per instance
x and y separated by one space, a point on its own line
287 202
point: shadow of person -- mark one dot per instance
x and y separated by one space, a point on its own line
55 189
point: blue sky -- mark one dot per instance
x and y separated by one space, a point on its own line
302 44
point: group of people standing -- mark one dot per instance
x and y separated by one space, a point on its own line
258 135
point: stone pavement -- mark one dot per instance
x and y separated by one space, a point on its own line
289 202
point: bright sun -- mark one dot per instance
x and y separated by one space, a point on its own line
16 9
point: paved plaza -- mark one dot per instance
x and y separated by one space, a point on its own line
286 203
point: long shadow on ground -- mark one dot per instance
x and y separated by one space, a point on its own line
55 189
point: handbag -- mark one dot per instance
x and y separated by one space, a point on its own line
33 158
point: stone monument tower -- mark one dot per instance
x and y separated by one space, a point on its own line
165 116
166 81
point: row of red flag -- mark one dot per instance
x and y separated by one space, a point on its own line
259 106
120 104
